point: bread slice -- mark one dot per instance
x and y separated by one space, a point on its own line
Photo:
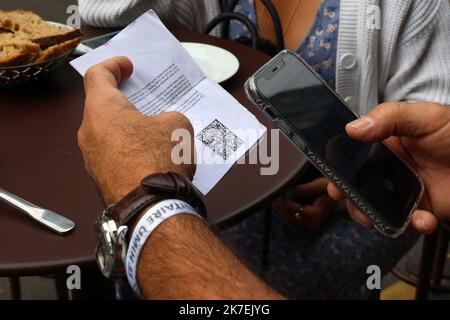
6 24
40 31
25 38
58 50
17 50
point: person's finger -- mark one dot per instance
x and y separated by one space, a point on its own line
289 210
358 217
101 83
108 73
324 202
334 192
314 209
424 222
315 188
399 119
294 207
309 216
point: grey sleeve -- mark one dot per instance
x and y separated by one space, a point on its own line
420 70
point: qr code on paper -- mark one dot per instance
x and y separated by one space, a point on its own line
220 139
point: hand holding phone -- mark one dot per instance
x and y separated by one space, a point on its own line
417 131
309 113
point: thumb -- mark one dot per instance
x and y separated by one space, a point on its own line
101 82
424 222
398 119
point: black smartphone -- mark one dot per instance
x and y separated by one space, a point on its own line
89 44
379 183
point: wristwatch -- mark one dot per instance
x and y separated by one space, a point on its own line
112 226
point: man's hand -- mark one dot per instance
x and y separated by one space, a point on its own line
309 206
182 259
120 145
420 132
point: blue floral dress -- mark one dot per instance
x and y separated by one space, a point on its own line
331 262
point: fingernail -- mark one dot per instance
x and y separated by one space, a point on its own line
361 219
361 123
421 226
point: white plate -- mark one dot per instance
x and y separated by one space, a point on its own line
59 25
218 64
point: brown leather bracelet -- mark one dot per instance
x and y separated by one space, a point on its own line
155 188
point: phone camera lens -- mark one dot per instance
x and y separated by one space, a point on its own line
389 185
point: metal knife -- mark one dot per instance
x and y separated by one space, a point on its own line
48 218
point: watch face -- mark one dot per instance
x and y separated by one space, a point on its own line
104 260
104 250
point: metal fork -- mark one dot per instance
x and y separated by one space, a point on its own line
48 218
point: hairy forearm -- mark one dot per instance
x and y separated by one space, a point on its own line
184 260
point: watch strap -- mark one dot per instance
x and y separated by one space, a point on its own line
132 204
155 188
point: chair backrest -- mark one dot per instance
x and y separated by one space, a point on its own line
228 15
296 18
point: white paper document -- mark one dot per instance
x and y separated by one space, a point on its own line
166 78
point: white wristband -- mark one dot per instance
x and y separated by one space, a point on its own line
154 216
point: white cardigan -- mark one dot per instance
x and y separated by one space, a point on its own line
179 14
407 59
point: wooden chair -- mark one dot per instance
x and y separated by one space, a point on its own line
256 42
432 265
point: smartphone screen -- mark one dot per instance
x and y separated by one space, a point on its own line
316 115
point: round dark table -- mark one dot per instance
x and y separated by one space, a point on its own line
40 161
